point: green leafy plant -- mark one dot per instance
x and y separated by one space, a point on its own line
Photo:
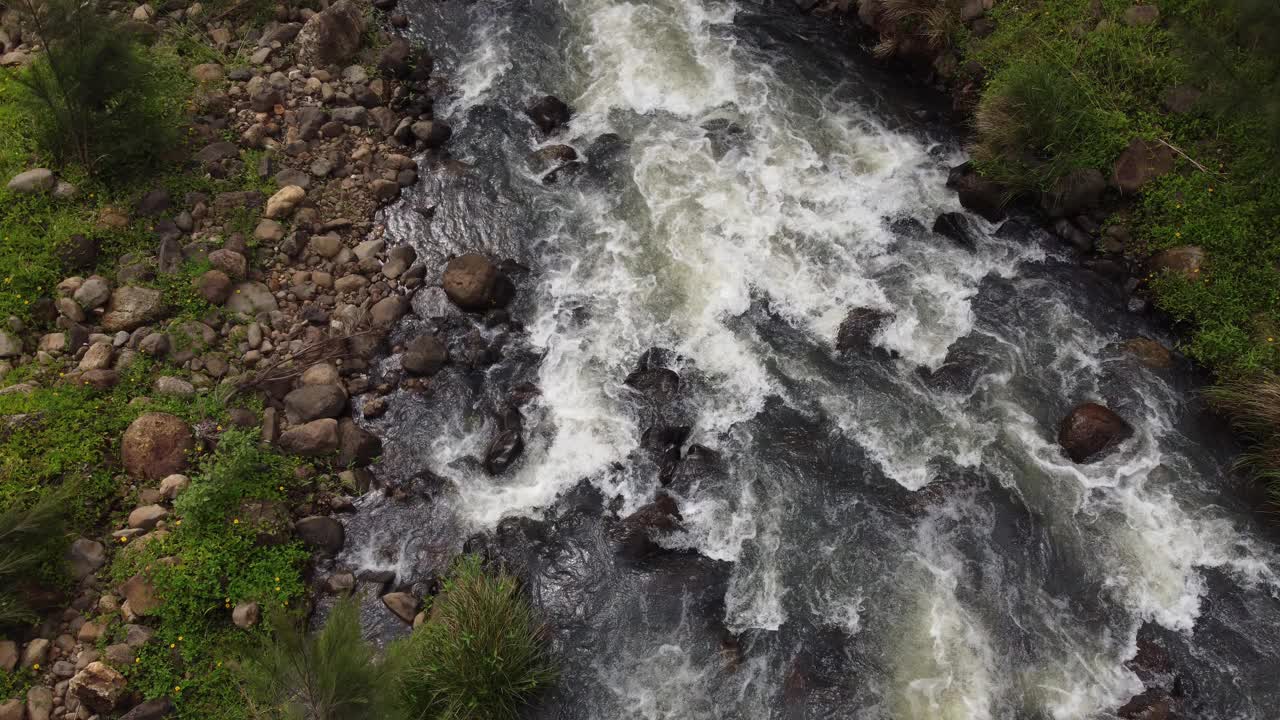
481 655
30 536
330 675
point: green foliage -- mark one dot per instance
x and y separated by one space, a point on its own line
1253 404
30 536
481 655
91 95
329 675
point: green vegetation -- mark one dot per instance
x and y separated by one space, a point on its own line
330 675
480 656
30 537
1254 405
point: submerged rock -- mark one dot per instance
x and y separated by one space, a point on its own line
1089 430
473 282
635 536
1149 353
976 193
859 328
549 113
957 228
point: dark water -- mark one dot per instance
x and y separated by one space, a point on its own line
884 533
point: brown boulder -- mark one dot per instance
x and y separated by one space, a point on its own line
314 439
98 687
331 37
1149 353
1140 163
140 594
1185 260
156 446
1091 429
472 282
131 307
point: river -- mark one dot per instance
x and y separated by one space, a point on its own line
884 532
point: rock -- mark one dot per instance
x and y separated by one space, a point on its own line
321 533
661 515
1152 704
172 486
1140 163
39 180
1186 261
316 438
326 246
98 687
310 120
150 710
10 345
313 402
120 654
320 374
214 286
35 653
146 517
135 636
85 557
251 298
331 37
156 445
1149 353
1089 430
207 73
1142 15
1069 232
388 311
385 191
548 113
175 387
472 282
976 193
356 446
432 133
153 203
425 355
402 605
283 202
230 262
8 655
217 152
131 307
957 228
860 327
503 451
39 703
98 356
394 61
13 710
100 379
93 293
1074 193
78 251
143 14
246 615
140 594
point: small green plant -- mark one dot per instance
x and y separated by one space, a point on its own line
90 94
30 536
329 675
481 655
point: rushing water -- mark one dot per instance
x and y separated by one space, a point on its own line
883 534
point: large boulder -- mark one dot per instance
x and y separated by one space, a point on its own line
472 282
313 402
34 181
1091 429
1140 163
131 307
321 533
331 37
251 298
636 534
314 439
425 355
10 345
156 445
98 687
1185 261
859 327
958 228
976 193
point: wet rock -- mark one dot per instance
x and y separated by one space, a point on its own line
1140 163
1074 193
1071 234
637 529
156 445
331 37
356 446
402 605
131 307
659 384
472 282
503 451
425 355
957 228
388 311
860 327
976 193
1091 429
98 687
321 533
552 156
1149 353
1186 261
313 402
549 113
432 133
1153 704
315 439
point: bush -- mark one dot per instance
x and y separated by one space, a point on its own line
481 655
30 537
1253 404
91 95
331 675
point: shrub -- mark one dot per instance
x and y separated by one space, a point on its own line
1253 404
482 655
329 675
30 536
914 26
91 95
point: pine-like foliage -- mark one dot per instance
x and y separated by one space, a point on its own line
89 92
482 655
329 675
30 536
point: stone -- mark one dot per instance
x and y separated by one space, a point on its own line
1142 15
320 374
100 379
85 557
98 356
13 710
432 133
859 328
207 73
173 486
1074 193
1186 261
385 190
549 113
503 451
333 36
472 282
321 533
153 203
39 703
353 115
314 439
356 446
156 445
89 633
93 293
10 345
120 654
131 307
388 311
1141 162
143 13
146 517
326 246
976 193
140 595
402 605
635 533
214 286
174 387
956 227
283 203
246 615
395 59
35 653
230 262
8 655
150 710
39 180
1089 430
1149 353
425 355
251 298
313 402
135 636
98 687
